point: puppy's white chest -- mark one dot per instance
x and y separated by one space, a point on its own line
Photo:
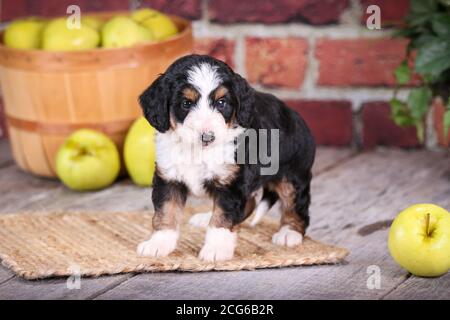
193 165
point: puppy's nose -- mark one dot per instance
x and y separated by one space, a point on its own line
207 137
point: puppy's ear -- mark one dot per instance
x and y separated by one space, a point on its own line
246 97
155 104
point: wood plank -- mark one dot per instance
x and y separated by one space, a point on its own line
415 288
17 288
21 191
5 275
5 153
351 205
329 157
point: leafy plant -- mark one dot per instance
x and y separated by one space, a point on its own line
427 26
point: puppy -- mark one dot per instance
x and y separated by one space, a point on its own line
201 109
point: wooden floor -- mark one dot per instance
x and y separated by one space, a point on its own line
355 197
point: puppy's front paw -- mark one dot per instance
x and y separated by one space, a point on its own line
160 244
200 220
219 245
287 237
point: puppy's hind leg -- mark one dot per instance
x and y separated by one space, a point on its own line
295 200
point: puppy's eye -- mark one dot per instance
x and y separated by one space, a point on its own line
187 104
221 103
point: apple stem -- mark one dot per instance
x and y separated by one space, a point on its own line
427 225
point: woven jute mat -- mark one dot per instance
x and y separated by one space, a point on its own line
41 245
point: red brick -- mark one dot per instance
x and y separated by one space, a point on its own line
392 12
438 115
330 121
12 9
270 11
190 9
222 49
379 129
276 62
360 62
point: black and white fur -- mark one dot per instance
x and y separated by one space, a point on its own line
197 97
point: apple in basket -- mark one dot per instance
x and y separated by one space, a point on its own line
24 33
419 240
88 160
122 31
161 26
57 36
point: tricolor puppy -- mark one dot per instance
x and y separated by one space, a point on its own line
201 109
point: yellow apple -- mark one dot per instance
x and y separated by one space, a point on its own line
139 152
58 37
88 160
419 240
161 25
24 34
93 22
122 31
142 14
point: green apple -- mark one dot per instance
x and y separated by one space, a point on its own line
88 160
161 26
419 240
122 31
58 37
139 152
93 22
143 14
24 34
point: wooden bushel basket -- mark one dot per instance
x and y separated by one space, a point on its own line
48 95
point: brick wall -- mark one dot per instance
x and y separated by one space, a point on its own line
316 55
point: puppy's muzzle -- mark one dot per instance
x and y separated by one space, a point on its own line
207 138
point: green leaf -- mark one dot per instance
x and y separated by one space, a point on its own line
441 24
400 113
420 131
421 40
402 73
419 102
433 57
423 6
404 33
418 20
446 122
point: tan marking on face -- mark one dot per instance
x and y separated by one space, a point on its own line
286 192
232 121
173 123
220 93
191 94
